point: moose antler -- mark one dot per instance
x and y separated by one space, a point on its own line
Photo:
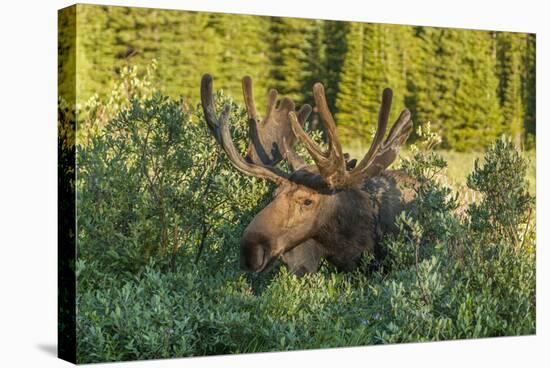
220 130
271 139
332 163
267 135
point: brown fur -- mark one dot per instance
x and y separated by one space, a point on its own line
337 225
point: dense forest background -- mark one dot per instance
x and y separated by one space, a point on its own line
471 85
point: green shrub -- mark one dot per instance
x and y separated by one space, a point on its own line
464 277
152 184
506 205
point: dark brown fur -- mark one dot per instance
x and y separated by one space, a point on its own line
338 225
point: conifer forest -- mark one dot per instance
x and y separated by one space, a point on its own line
471 85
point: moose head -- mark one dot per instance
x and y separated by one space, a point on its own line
335 209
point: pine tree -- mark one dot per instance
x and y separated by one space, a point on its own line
315 60
475 119
529 90
95 67
446 66
423 83
335 49
111 37
189 48
288 56
509 54
325 51
66 51
244 51
384 67
374 73
350 114
456 87
324 56
471 86
375 59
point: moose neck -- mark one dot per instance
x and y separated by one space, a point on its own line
349 226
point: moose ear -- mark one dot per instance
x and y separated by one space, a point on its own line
351 164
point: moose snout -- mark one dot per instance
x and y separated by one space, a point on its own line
254 252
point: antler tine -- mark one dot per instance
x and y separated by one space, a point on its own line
273 174
331 164
248 93
220 131
208 106
266 144
255 144
383 116
335 148
314 150
294 160
271 102
304 113
399 133
387 151
402 123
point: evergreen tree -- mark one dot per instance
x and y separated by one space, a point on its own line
182 42
423 83
509 54
476 119
288 56
456 88
189 48
324 56
383 67
315 60
472 85
66 53
440 75
350 115
529 90
335 49
375 59
96 66
244 51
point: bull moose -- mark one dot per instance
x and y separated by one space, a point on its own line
336 209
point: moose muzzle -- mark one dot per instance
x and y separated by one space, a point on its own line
255 252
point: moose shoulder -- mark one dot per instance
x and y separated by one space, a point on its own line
335 209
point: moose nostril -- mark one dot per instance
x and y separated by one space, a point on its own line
256 259
252 257
259 256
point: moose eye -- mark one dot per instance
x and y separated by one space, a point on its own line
308 202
